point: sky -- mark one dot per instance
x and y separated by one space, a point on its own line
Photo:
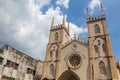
25 24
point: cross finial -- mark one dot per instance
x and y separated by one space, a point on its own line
102 10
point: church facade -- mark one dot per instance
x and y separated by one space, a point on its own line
66 59
77 59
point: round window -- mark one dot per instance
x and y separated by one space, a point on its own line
74 60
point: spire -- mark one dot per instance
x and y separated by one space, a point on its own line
63 22
68 26
87 14
102 10
75 36
52 22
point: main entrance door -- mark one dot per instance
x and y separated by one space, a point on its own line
69 75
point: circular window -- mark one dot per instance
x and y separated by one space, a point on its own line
74 60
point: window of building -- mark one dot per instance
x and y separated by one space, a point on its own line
8 63
28 70
104 47
102 68
56 36
92 71
52 69
7 78
75 60
56 53
97 28
12 64
31 71
1 61
96 49
51 54
16 66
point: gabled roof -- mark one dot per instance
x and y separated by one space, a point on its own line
81 41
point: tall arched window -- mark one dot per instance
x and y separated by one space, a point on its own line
97 28
92 72
52 69
51 54
102 68
56 53
56 36
104 47
96 49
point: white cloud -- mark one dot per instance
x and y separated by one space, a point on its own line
41 3
64 3
74 29
26 28
93 4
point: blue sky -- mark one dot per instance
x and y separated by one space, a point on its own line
25 24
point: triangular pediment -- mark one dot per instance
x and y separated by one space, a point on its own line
77 41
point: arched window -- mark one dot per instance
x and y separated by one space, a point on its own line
51 54
52 69
92 70
96 49
104 47
102 68
56 53
97 28
56 36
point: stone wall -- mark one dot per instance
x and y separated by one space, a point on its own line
16 65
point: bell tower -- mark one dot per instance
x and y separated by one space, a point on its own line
102 61
59 35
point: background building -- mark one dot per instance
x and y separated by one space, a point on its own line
15 65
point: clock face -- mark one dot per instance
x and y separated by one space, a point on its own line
74 61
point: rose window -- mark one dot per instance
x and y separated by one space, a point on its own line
74 60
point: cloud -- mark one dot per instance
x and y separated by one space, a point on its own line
93 4
42 3
74 29
26 28
64 3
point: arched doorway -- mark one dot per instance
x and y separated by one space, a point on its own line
69 75
45 79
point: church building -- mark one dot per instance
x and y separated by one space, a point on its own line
77 59
66 59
